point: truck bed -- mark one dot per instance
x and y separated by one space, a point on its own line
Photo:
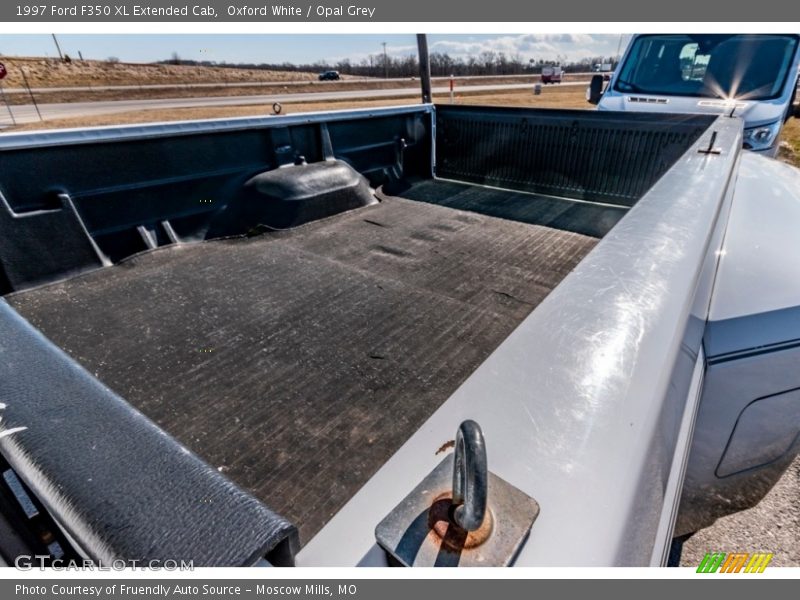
297 362
294 299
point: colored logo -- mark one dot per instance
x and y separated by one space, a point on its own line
736 562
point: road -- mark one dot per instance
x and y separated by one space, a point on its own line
26 113
771 526
222 83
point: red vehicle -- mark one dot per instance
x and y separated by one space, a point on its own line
551 75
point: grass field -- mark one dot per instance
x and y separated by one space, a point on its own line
237 89
552 97
44 72
50 72
48 77
790 143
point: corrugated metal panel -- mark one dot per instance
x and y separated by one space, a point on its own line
598 156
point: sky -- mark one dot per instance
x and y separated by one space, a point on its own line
306 48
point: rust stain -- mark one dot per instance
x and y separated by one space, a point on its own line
446 446
450 535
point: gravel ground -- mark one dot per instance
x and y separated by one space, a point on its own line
771 526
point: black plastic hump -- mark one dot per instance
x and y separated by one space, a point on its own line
296 194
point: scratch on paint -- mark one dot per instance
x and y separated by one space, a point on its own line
530 416
446 446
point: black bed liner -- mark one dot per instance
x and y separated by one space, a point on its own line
588 218
297 362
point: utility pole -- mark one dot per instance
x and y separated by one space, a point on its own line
424 67
30 91
385 62
61 56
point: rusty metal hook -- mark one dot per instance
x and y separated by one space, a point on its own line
470 477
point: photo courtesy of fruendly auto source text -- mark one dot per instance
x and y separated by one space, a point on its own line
399 299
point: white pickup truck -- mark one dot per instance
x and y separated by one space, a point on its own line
754 77
254 340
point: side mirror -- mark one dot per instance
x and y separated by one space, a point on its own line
595 89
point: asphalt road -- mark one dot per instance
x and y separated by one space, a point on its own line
222 83
26 113
771 526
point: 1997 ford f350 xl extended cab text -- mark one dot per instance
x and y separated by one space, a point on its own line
254 340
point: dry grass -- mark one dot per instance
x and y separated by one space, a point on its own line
790 143
552 97
253 88
45 72
238 88
51 72
187 114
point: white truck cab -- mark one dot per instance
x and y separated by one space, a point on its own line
754 77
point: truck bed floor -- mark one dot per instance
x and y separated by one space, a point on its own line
298 362
589 218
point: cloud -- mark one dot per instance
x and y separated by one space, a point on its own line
548 47
537 46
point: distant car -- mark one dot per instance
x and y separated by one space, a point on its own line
329 76
551 75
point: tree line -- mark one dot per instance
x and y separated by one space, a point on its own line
442 65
